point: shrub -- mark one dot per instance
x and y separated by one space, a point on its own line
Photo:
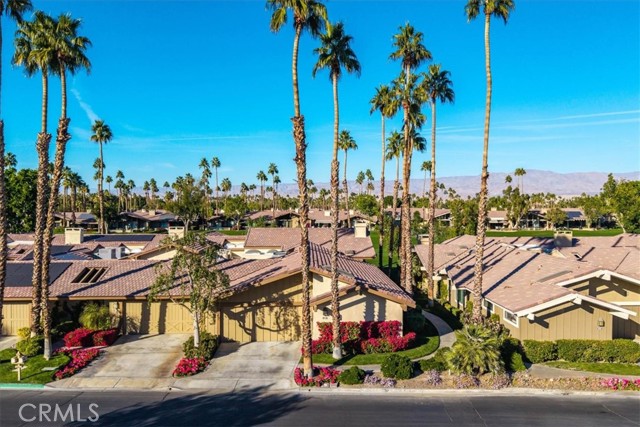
433 377
466 381
63 328
613 351
96 317
476 351
511 354
397 366
432 364
321 376
24 333
353 375
414 321
190 366
30 346
376 380
573 350
540 351
206 350
500 380
363 337
105 338
79 359
620 384
81 337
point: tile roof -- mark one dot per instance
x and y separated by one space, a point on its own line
269 214
145 215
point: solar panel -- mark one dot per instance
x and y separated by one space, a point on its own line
125 238
19 274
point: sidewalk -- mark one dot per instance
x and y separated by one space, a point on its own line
543 371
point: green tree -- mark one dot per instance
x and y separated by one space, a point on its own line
101 135
476 351
387 104
346 143
13 9
191 280
215 164
235 208
499 9
273 171
308 15
627 205
262 178
188 201
394 151
366 203
21 206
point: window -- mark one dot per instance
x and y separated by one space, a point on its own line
488 305
460 296
510 317
90 275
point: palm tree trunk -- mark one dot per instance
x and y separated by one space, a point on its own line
346 190
396 188
335 182
3 216
482 204
101 193
381 216
42 148
405 211
432 204
299 138
217 206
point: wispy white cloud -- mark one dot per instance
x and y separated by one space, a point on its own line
91 115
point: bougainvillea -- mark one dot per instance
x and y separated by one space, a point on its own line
81 337
620 384
190 366
321 376
105 338
364 337
79 359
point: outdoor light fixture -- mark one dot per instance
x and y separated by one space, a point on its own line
600 323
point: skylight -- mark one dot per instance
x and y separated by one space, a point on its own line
90 275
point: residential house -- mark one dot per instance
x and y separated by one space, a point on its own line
86 220
143 219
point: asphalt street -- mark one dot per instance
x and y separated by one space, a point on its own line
252 407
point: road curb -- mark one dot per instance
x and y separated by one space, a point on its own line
16 386
449 392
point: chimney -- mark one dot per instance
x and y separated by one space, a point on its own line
352 212
73 236
423 239
327 213
176 232
152 212
563 238
494 209
360 229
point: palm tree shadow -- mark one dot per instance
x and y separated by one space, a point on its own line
245 407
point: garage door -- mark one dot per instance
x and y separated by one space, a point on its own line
16 315
261 323
163 317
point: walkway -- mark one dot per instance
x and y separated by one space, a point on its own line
7 342
544 371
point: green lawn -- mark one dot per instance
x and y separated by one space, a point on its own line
33 373
233 232
549 233
603 368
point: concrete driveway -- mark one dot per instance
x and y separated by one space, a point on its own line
268 365
133 361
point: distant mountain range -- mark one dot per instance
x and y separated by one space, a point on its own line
535 181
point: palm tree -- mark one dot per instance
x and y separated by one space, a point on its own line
310 15
346 143
120 187
215 164
387 104
225 186
35 53
499 9
439 88
335 54
101 135
411 52
108 180
520 173
273 171
262 178
394 151
204 180
425 167
14 9
323 193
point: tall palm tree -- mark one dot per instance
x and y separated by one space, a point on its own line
426 168
120 187
34 51
438 86
101 135
215 164
499 9
346 143
204 180
14 9
520 173
387 104
310 15
273 171
335 54
411 51
394 150
262 178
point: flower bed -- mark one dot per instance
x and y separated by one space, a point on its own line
106 337
620 384
79 359
321 377
364 337
81 337
190 366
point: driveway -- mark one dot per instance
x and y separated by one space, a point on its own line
268 365
133 361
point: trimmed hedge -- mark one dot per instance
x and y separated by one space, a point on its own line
511 353
437 363
540 351
353 375
397 367
206 350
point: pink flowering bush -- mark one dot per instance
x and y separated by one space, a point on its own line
79 359
81 337
105 338
364 337
620 384
190 366
321 376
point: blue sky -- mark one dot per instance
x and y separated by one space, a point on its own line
182 80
